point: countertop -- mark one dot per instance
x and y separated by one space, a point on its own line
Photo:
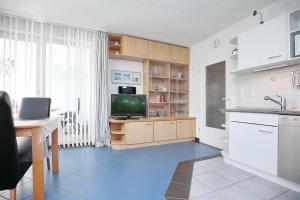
264 110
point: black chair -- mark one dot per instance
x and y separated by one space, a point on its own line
36 108
15 153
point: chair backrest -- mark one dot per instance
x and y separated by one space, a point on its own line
8 144
35 108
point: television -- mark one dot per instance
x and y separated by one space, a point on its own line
128 105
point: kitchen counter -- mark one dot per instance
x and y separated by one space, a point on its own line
264 110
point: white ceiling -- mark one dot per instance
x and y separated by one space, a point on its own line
182 22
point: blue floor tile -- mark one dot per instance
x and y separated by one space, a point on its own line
103 173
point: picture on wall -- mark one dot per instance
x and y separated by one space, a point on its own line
125 77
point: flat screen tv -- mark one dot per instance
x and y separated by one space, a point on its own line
128 105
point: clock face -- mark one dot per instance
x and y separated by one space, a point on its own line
216 43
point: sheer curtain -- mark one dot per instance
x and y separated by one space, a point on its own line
44 59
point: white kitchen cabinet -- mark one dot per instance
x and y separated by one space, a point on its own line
264 45
254 145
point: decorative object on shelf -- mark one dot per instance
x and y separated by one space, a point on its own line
126 77
261 16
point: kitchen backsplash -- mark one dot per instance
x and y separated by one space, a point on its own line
252 88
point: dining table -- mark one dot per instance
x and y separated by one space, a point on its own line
40 130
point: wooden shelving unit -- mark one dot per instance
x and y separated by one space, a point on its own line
179 96
115 45
166 73
167 88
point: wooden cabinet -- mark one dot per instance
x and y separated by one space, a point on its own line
139 132
186 128
252 144
263 45
148 132
164 130
159 51
179 55
134 47
137 49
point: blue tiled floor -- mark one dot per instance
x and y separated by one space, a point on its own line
103 173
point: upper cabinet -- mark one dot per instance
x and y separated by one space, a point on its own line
179 55
134 47
263 45
159 51
137 49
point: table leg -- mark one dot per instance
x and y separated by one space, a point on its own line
37 165
54 142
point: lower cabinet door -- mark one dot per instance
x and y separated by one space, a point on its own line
186 128
139 132
148 132
164 130
254 145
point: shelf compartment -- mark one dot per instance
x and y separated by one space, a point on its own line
117 132
114 47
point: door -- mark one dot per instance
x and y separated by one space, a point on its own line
215 95
265 44
254 145
186 129
159 51
164 130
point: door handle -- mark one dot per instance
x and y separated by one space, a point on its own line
266 132
272 57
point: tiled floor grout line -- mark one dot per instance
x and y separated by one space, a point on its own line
280 194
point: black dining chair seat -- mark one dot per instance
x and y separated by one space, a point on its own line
14 155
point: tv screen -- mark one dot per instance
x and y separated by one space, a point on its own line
128 105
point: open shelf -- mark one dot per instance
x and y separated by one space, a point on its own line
117 132
294 29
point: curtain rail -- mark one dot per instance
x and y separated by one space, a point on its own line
48 22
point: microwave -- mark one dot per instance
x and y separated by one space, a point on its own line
297 44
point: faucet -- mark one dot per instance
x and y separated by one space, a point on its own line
282 101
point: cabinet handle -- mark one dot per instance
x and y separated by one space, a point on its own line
148 124
272 57
171 122
267 132
179 122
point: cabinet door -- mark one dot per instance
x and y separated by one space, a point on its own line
134 47
186 128
159 51
164 130
142 48
254 145
179 55
264 44
148 132
138 132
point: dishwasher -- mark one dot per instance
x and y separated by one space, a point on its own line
289 148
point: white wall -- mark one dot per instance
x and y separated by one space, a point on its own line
123 65
203 54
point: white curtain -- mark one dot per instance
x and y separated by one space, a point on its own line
61 62
101 91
